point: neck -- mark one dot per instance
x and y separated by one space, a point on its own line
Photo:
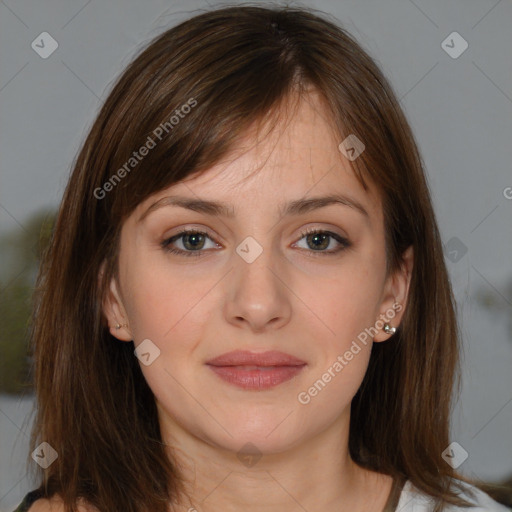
317 475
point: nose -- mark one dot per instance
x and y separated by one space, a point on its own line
257 296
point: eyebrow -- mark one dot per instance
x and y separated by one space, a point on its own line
297 207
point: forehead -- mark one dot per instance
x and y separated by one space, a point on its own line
296 157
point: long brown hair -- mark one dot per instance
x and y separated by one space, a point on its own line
231 66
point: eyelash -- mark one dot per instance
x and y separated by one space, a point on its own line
345 244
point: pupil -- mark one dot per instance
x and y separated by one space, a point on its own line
321 237
193 240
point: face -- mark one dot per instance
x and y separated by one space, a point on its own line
259 276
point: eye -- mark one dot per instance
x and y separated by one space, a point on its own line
317 240
192 241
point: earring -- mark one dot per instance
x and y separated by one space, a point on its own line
388 329
118 326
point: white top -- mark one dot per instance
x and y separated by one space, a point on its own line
414 500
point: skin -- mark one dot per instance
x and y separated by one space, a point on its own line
292 298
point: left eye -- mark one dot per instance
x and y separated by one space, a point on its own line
193 242
319 240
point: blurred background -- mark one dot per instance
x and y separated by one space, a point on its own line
450 65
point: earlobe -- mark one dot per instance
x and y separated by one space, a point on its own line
395 297
115 314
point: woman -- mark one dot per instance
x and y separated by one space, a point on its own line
245 304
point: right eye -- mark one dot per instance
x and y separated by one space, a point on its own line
192 241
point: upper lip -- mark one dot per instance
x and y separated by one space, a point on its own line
247 358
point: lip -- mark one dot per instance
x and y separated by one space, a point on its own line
247 358
256 371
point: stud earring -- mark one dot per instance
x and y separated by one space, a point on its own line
118 326
388 329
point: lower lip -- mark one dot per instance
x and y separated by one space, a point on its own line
259 378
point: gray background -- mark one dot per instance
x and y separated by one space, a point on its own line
460 110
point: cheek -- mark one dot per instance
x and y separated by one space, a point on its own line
346 301
165 303
346 305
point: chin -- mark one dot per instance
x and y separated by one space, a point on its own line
263 433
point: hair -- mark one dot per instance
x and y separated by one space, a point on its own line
232 66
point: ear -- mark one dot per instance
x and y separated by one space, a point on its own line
114 311
396 292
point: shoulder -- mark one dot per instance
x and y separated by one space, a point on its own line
47 505
55 504
414 500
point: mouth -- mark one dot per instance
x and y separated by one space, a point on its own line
256 371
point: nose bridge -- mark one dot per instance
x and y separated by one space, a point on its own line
254 266
256 294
